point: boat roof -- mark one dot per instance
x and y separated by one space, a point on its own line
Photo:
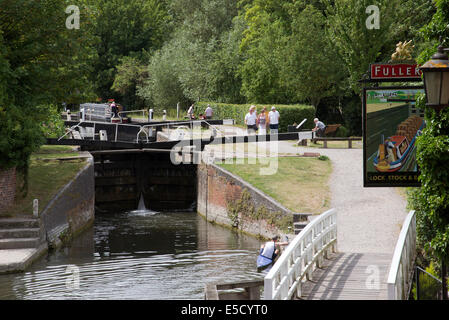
397 139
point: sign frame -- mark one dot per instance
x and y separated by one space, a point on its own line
384 179
399 67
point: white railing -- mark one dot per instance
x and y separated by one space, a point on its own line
402 264
300 258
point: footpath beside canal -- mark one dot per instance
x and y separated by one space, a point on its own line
24 238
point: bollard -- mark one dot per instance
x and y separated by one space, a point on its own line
164 115
69 116
35 208
83 114
150 115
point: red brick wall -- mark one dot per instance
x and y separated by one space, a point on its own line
221 191
7 188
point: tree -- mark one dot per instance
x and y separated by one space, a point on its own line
262 44
162 88
41 63
192 58
313 70
125 29
357 45
131 73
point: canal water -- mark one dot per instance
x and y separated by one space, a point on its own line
139 256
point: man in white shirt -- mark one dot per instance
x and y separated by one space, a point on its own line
251 119
320 128
208 112
274 120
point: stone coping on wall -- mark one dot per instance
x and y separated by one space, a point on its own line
72 209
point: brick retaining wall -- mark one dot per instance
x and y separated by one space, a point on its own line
218 188
7 188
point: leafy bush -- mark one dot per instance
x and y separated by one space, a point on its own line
289 113
323 158
52 123
342 132
20 135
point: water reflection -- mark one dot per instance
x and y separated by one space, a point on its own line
164 256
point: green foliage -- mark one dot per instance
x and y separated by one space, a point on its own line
433 196
131 73
52 125
163 88
288 57
342 132
434 30
429 287
243 210
47 61
124 28
323 158
357 45
352 115
42 64
289 114
199 61
313 69
431 200
20 135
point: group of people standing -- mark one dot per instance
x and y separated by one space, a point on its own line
262 121
208 113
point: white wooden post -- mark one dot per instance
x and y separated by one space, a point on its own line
35 208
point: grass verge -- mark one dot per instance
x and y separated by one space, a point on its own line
300 184
46 178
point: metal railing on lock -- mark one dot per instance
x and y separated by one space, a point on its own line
90 132
132 111
400 277
301 257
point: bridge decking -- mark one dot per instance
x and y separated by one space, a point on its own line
350 276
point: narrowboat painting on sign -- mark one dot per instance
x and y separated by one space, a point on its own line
392 124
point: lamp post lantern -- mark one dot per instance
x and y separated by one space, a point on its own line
436 80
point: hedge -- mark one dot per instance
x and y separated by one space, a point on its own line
290 114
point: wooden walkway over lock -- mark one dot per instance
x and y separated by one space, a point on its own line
310 268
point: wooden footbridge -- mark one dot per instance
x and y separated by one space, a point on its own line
311 267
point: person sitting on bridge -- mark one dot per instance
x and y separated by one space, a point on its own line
320 128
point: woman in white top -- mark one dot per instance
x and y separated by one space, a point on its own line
263 121
251 120
190 112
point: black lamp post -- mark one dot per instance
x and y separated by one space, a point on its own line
436 80
436 84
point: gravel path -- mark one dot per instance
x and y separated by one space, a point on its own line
369 220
